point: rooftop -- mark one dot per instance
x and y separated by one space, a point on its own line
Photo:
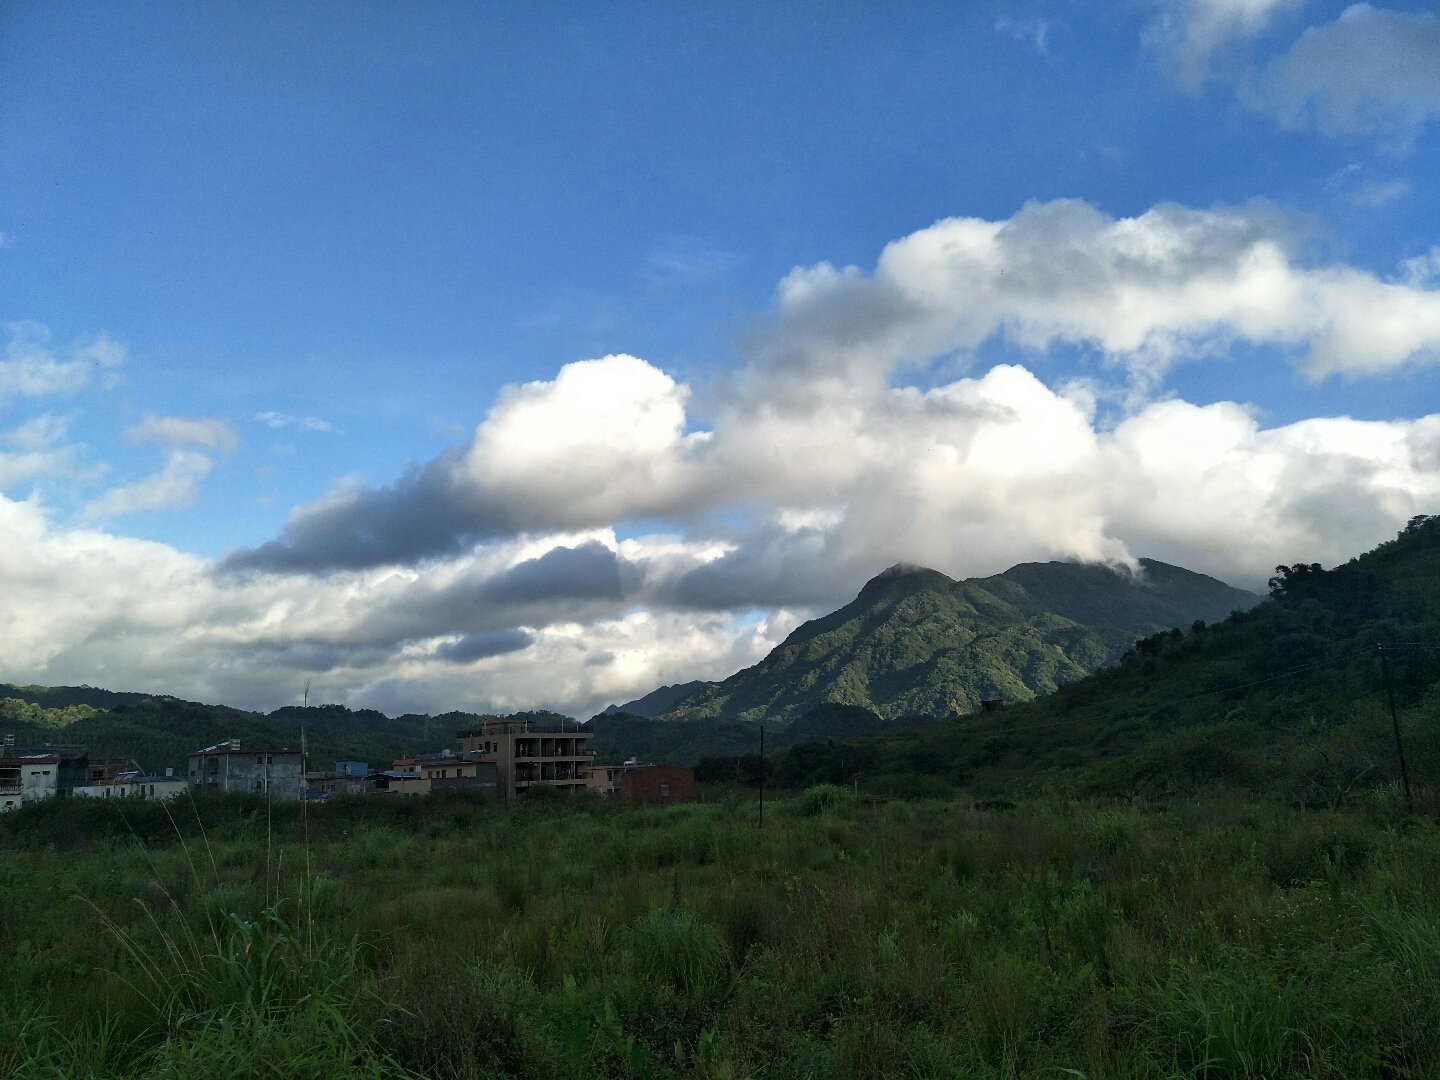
232 746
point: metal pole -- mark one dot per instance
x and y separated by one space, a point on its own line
762 774
1395 724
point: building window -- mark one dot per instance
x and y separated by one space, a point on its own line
259 759
664 791
259 785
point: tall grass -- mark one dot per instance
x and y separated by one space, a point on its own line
1210 936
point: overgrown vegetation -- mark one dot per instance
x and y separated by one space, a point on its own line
1209 935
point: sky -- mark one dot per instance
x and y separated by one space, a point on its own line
506 356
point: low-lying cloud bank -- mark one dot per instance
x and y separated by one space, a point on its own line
593 539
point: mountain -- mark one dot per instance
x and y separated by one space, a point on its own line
657 701
1291 696
916 643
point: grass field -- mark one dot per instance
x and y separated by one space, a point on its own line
1214 935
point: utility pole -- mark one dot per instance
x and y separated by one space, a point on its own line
762 773
1395 724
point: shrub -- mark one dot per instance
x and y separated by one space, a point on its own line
820 799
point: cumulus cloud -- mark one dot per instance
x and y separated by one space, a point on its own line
1371 72
495 576
33 368
1168 285
604 439
174 431
90 606
816 422
575 620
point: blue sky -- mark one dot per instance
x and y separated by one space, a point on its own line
291 291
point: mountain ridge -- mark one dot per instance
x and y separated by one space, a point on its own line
917 642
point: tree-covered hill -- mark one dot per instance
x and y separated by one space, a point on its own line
156 731
916 643
1291 693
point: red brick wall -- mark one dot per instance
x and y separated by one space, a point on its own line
658 784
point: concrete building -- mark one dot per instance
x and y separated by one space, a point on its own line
347 778
646 785
437 772
136 785
227 767
26 777
527 754
605 779
42 771
472 770
398 782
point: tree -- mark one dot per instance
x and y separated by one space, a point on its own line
1290 579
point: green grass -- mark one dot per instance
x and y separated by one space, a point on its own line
1211 935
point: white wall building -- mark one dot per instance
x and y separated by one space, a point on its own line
136 785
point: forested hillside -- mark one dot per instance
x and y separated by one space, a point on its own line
1290 693
916 643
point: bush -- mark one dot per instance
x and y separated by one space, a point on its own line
820 799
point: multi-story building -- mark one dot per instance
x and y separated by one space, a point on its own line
225 766
527 754
30 773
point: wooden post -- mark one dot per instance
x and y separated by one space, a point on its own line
762 773
1395 725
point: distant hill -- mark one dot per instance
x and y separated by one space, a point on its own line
157 731
916 643
657 701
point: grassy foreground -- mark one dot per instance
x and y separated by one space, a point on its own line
1211 935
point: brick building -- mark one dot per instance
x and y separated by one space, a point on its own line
644 785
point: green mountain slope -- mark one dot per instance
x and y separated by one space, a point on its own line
917 643
1288 695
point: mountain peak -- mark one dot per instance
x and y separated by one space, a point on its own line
907 578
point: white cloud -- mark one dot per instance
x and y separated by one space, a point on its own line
174 431
603 438
816 424
1192 32
32 368
175 484
1170 284
993 470
279 420
1371 72
493 577
37 449
1032 32
968 477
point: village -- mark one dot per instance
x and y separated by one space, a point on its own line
503 757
